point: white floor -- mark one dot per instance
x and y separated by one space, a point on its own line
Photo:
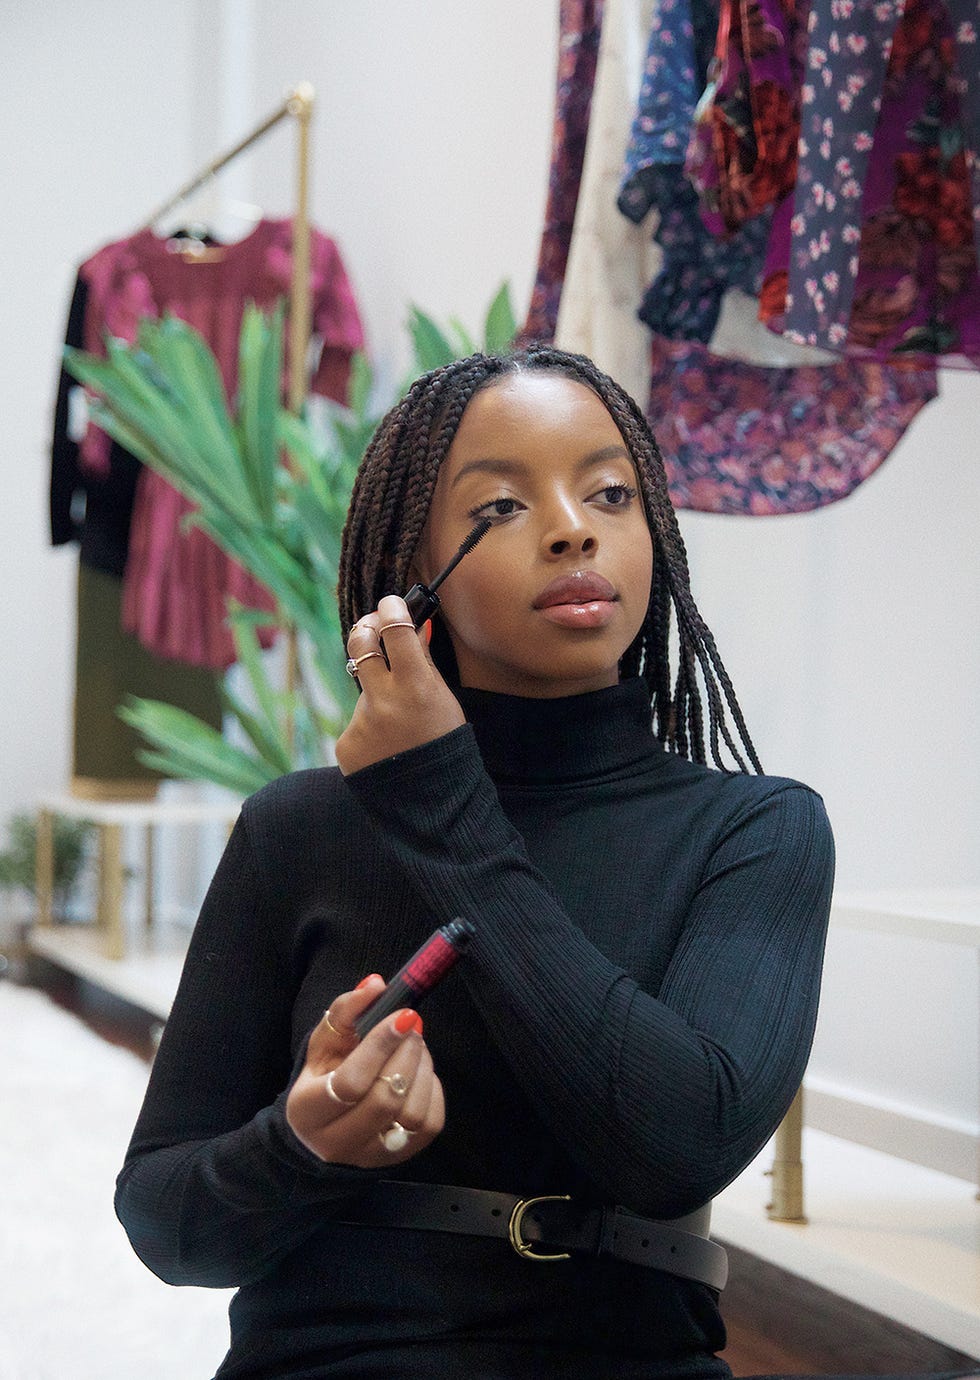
890 1235
75 1302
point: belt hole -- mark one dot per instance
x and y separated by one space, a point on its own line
673 1250
495 1212
454 1207
645 1242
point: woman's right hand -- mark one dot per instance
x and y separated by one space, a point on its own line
351 1092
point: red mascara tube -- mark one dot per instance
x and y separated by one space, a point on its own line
429 965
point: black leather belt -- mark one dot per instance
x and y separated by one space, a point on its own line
551 1222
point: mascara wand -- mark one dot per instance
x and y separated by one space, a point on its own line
422 600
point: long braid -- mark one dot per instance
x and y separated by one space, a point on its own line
390 506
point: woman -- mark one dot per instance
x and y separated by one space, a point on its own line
634 1013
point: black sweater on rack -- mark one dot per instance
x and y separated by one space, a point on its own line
629 1024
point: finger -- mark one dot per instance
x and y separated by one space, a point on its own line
363 631
345 1008
334 1035
413 1109
435 1118
399 635
409 1138
364 642
394 619
367 1059
356 1075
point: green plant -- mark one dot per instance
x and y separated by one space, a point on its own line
163 399
71 839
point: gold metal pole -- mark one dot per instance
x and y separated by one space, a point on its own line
301 302
300 307
787 1167
44 867
112 891
216 164
150 876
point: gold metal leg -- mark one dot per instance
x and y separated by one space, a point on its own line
111 890
150 879
787 1167
44 867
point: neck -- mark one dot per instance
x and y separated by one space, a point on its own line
528 741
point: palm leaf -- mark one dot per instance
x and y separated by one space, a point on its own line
266 741
193 749
164 399
500 326
260 383
432 348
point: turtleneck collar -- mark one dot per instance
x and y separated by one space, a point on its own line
536 742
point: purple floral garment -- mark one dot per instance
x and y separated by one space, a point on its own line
580 27
966 18
760 440
668 95
684 299
741 157
878 245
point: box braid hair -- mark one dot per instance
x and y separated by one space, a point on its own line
390 504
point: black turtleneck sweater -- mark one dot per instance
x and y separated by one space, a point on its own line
628 1026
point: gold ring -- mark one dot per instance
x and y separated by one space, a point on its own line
398 623
344 1034
336 1095
397 1082
355 661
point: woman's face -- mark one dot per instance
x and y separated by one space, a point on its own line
558 588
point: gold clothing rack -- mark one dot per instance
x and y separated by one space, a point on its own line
298 104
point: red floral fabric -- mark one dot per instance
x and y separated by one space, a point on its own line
177 581
758 440
580 27
742 154
877 255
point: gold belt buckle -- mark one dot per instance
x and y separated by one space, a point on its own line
525 1249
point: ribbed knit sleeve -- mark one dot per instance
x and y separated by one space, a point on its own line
660 1098
215 1188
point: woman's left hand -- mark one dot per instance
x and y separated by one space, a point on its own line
398 708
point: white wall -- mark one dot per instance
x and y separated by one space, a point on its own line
852 636
850 633
81 159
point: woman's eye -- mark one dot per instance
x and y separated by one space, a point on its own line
496 508
617 495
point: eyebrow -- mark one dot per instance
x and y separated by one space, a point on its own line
504 467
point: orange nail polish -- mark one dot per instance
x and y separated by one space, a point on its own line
428 631
365 980
407 1020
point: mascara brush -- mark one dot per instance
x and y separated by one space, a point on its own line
422 600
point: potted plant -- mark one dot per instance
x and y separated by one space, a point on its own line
71 841
163 399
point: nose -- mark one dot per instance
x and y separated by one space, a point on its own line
569 529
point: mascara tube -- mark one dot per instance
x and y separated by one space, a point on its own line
422 600
427 966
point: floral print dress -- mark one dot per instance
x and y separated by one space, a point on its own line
875 253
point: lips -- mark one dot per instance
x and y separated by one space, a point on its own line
581 587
